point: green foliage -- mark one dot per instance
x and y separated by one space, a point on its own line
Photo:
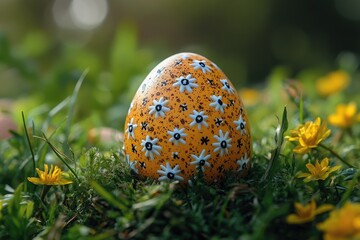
108 201
279 139
16 220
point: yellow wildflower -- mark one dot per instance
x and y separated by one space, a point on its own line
343 223
306 213
332 83
345 116
52 177
309 135
319 171
250 96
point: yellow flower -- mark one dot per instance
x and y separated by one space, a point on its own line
52 177
307 213
309 135
343 223
345 116
319 171
250 96
332 83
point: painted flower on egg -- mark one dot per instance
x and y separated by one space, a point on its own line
187 117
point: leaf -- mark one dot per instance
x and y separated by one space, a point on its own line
15 201
155 202
29 209
109 197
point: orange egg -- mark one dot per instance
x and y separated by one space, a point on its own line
186 117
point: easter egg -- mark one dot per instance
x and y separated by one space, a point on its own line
187 117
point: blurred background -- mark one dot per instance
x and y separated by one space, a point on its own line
46 45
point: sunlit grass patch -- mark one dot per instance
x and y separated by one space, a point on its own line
304 173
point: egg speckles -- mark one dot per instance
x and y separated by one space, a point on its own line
186 117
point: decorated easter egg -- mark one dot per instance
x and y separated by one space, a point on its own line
187 117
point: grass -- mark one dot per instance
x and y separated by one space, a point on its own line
108 201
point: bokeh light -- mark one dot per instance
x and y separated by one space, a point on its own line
349 9
47 44
80 14
88 14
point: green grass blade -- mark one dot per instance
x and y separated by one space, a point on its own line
301 109
60 155
108 196
53 112
279 141
28 140
71 110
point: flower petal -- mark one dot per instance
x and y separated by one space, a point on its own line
295 219
311 168
52 177
35 180
324 208
334 168
62 181
301 150
302 175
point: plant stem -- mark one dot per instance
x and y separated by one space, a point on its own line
337 155
301 109
350 132
311 155
44 191
323 190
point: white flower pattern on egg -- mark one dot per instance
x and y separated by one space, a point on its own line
159 107
217 103
185 83
169 173
226 86
198 119
201 160
240 125
242 162
201 65
186 117
150 147
131 128
223 143
185 56
177 135
159 71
